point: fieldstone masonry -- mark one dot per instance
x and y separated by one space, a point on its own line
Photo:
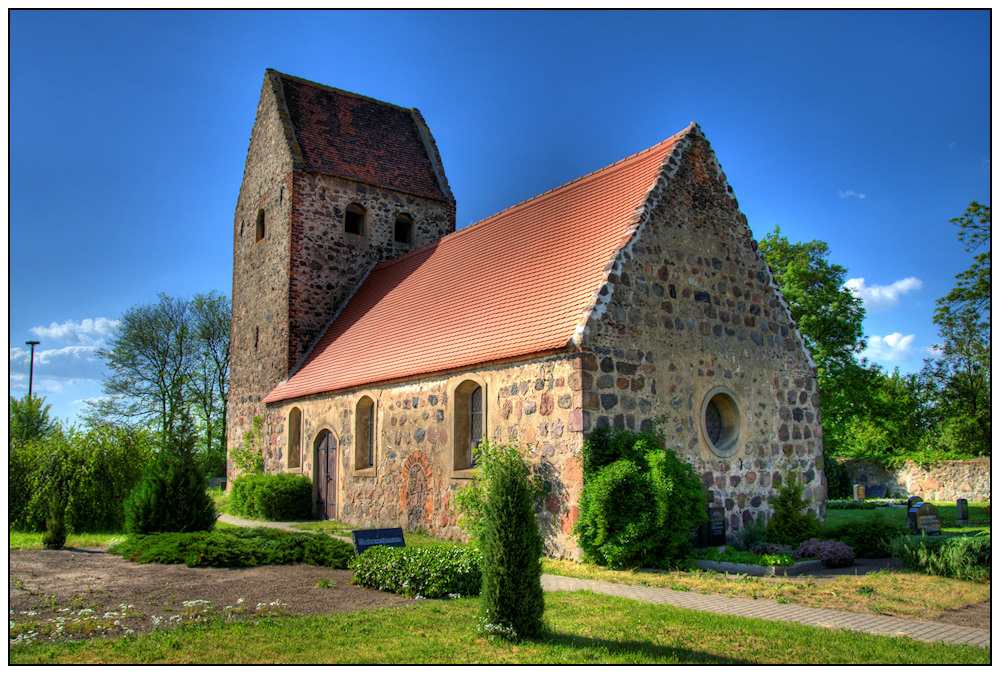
939 481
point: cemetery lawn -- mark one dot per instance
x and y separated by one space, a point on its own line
979 517
582 627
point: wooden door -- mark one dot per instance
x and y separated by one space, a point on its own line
326 476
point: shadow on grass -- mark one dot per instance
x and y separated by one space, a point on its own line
646 649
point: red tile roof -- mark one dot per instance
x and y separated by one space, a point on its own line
362 139
515 284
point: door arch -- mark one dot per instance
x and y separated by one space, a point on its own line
325 477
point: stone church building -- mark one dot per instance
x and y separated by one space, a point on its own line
379 345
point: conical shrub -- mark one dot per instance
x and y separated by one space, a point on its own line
512 600
171 496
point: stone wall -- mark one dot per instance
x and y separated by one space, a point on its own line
940 481
414 482
693 310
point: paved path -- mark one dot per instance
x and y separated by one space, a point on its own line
769 610
749 608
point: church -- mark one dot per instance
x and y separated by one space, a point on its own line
379 345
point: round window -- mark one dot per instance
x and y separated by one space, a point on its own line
721 422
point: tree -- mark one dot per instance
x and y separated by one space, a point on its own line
830 319
29 419
168 359
209 385
961 378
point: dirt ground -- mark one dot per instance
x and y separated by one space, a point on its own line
75 593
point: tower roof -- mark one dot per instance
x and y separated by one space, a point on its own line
519 283
343 134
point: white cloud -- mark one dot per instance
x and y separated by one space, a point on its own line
881 298
894 348
68 364
89 331
850 193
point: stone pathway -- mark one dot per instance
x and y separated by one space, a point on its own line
769 610
920 630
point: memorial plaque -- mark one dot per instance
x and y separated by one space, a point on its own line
716 526
859 492
876 491
369 538
963 512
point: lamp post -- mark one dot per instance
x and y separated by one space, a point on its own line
31 369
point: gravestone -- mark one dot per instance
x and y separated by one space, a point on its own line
962 519
859 492
913 499
716 526
369 538
876 491
923 518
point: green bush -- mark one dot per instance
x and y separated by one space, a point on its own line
639 501
750 535
962 557
426 572
171 496
870 537
512 600
236 547
789 523
282 497
97 470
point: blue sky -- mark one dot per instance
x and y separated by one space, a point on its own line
129 132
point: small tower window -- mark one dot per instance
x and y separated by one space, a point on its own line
260 224
354 220
403 230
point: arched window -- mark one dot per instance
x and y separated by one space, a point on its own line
470 420
403 229
295 438
364 434
354 220
260 225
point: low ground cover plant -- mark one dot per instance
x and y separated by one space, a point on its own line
236 547
426 572
962 557
282 497
747 557
833 554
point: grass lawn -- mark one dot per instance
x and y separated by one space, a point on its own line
30 540
582 628
979 518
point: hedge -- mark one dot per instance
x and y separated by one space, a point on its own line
425 572
282 497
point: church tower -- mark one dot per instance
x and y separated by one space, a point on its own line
334 183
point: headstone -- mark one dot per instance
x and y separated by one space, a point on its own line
368 538
214 482
716 526
963 512
859 492
913 499
923 518
876 491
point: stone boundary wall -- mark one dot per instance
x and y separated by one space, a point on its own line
940 481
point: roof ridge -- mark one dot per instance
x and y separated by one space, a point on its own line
327 87
591 175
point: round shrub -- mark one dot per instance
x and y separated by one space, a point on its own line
639 501
281 497
617 524
512 598
171 496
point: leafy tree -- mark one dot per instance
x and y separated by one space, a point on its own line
973 291
167 359
29 419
